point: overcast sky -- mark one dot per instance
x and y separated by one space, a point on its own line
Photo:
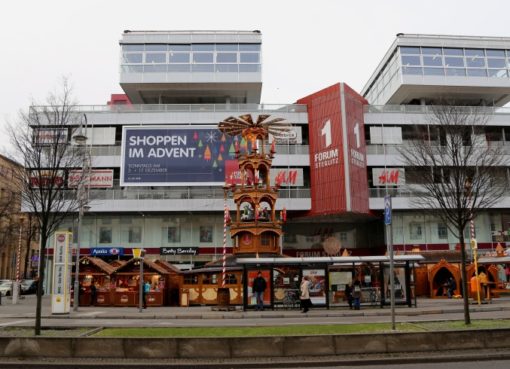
307 45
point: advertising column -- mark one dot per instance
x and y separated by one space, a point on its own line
61 297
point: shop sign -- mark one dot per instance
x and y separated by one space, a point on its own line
50 136
388 176
106 251
178 251
60 298
98 178
291 177
46 178
292 136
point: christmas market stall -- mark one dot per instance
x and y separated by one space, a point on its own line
95 282
172 283
127 278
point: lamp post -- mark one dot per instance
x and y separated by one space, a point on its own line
141 285
80 139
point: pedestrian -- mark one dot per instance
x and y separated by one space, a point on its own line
258 288
348 294
452 286
146 289
93 293
306 303
484 281
507 273
356 294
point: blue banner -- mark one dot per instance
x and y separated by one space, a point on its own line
106 251
174 156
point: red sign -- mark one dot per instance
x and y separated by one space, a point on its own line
282 176
388 176
337 151
98 178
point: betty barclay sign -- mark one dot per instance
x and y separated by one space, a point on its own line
174 156
178 251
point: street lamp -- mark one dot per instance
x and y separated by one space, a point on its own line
80 138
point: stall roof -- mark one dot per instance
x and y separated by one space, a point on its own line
330 259
147 263
494 260
100 264
166 265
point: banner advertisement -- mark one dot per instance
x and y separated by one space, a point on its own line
98 178
46 178
61 297
179 251
286 177
174 155
388 176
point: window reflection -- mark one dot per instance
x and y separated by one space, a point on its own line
411 60
433 60
477 72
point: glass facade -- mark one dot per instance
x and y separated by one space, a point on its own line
185 58
447 61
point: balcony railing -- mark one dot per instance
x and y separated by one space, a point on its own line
280 149
182 194
427 109
390 149
404 191
141 108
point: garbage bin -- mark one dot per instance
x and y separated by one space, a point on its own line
223 300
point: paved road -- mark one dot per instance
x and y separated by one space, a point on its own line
496 364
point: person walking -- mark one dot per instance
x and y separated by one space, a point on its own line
306 303
258 288
356 295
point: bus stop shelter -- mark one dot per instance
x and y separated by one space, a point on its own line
329 276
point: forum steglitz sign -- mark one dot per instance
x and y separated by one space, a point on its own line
174 156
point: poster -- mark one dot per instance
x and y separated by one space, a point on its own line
317 285
61 297
252 274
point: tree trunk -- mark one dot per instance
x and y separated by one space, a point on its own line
465 297
42 260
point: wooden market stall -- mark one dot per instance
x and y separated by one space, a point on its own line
438 276
200 286
97 272
127 278
172 283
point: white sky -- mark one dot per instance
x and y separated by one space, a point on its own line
307 45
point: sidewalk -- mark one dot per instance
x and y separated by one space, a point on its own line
26 309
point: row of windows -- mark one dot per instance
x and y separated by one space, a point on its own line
416 231
186 57
461 72
190 47
186 68
171 234
452 51
454 62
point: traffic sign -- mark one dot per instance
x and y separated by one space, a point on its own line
387 209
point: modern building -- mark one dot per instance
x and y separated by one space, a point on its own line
416 72
159 162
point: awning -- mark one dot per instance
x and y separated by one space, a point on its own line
330 260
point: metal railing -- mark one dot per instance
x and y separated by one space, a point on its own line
428 109
280 149
404 191
140 108
182 194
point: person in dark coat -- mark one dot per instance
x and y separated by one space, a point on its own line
93 293
356 295
258 288
348 294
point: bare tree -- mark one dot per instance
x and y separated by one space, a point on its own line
41 140
458 170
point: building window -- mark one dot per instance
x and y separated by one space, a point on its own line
191 279
132 235
173 234
442 231
343 236
105 235
206 234
415 231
